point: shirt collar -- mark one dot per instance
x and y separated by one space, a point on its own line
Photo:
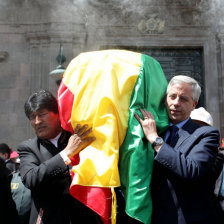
54 141
181 124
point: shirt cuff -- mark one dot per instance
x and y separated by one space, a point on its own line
65 158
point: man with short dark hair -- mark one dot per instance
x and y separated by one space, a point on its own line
45 163
5 152
184 158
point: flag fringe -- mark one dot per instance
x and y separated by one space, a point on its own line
113 207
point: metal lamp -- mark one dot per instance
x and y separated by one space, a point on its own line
57 73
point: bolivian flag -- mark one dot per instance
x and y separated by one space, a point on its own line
104 89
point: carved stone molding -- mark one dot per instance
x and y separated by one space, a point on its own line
153 25
220 38
3 56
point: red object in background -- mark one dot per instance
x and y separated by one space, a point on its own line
222 144
14 154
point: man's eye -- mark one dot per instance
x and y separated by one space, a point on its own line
184 99
172 96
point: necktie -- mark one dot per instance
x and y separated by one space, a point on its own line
172 139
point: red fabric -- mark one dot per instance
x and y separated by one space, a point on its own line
222 144
96 198
65 109
75 160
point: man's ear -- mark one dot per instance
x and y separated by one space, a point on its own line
5 156
195 104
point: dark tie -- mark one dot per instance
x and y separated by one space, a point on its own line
172 139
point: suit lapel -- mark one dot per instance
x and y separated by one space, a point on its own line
185 135
47 150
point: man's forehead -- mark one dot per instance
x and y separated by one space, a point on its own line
182 87
39 111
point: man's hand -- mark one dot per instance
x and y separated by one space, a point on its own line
148 125
79 140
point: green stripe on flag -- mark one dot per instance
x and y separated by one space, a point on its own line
136 154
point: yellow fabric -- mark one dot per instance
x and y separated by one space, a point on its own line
102 84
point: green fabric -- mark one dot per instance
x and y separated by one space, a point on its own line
136 154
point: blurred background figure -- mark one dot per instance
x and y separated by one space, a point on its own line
5 153
203 117
20 194
8 212
15 161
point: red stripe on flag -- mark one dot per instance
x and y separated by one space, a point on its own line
65 109
96 198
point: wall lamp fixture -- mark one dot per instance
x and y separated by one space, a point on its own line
57 73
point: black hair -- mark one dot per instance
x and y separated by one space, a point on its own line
41 99
4 148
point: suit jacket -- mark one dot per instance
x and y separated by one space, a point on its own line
44 172
181 189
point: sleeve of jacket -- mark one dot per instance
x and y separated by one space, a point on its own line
35 172
194 157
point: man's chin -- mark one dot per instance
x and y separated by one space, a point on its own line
41 135
174 119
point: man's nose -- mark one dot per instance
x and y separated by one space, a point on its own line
176 101
37 119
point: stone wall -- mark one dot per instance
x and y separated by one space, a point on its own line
31 32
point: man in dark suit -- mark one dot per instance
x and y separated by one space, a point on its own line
184 157
44 164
